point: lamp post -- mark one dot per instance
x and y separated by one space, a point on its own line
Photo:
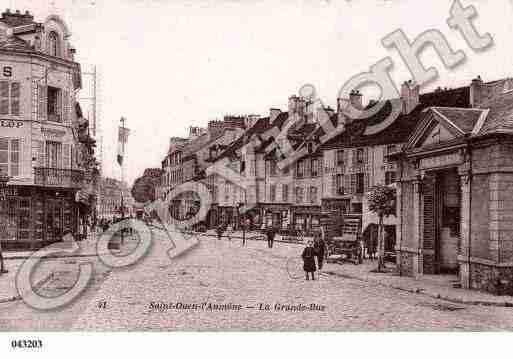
4 178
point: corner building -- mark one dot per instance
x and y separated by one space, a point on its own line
38 115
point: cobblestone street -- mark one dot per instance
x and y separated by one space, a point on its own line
225 273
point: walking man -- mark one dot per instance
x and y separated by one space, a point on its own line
320 249
270 236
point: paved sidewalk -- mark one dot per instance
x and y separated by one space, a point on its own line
87 249
8 290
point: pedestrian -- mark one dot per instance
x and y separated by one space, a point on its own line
220 230
320 250
229 231
309 260
271 232
371 242
246 228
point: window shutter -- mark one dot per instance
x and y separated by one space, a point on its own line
66 109
366 181
15 98
41 158
366 156
354 155
66 156
346 158
15 157
308 167
334 185
4 97
42 99
353 183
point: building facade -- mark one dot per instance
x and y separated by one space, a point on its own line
39 122
455 207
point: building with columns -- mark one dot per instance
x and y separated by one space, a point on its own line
454 201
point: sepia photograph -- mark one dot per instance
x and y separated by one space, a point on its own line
334 166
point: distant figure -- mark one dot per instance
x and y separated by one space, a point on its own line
309 260
271 232
320 250
219 231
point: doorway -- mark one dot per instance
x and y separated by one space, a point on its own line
441 230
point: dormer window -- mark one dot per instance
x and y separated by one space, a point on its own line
53 44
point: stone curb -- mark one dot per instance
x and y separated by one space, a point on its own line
37 286
422 291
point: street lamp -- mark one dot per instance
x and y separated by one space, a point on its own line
4 178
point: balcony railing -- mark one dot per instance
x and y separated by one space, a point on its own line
55 177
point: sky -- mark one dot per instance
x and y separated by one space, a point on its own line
166 65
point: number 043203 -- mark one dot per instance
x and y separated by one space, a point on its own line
27 344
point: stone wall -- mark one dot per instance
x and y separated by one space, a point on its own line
496 280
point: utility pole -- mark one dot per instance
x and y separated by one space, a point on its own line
122 177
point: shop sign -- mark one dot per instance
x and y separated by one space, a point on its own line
6 71
441 161
11 123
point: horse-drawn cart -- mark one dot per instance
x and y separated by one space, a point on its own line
348 244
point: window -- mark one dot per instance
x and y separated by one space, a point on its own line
340 184
53 44
272 168
10 98
389 177
54 104
359 156
360 183
339 158
285 193
313 194
315 167
53 154
286 170
300 169
10 156
389 149
299 195
272 193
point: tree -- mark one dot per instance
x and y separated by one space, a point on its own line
381 201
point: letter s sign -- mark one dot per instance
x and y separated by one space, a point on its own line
7 71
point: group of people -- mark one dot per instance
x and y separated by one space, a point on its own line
313 255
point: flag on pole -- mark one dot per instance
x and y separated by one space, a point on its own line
122 140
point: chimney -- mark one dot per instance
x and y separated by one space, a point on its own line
355 97
410 92
342 104
293 104
273 114
475 91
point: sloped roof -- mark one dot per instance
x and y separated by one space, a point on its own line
462 119
500 117
260 126
403 126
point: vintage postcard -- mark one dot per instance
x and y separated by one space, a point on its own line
301 165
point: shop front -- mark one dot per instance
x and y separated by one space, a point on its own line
38 217
306 218
276 215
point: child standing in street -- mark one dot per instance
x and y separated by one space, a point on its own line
309 260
